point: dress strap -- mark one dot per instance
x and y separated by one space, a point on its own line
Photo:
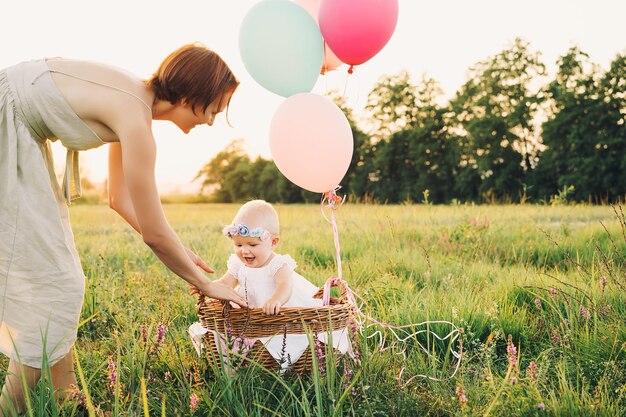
104 85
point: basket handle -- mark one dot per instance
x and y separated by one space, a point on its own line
334 282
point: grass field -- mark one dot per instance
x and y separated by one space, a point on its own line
551 277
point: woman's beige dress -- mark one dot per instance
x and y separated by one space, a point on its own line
41 280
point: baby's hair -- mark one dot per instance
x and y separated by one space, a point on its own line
258 213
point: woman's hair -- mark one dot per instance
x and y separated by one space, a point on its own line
258 213
194 73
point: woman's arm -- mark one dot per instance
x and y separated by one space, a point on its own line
134 195
119 198
282 293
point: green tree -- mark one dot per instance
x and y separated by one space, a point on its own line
418 157
391 106
435 154
216 175
355 181
585 137
494 115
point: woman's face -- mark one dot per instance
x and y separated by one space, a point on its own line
186 119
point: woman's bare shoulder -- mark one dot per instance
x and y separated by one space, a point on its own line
107 98
78 67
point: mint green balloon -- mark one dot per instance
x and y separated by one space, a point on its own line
281 47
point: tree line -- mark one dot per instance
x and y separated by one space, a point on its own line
509 134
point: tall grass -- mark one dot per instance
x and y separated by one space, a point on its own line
551 277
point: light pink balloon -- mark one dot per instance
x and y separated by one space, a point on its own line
356 30
311 142
331 61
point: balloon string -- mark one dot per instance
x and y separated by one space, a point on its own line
324 60
361 318
345 86
330 200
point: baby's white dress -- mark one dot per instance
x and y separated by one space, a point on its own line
257 285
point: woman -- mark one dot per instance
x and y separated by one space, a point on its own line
85 105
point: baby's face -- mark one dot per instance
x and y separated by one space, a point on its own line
253 251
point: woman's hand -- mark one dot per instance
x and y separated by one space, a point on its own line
198 261
222 292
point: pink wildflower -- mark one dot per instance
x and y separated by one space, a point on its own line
541 406
168 376
143 330
194 401
511 351
603 283
552 292
586 314
77 395
555 337
532 371
538 303
460 395
514 380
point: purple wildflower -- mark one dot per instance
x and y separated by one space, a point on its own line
319 353
354 329
143 330
161 331
112 370
603 283
347 373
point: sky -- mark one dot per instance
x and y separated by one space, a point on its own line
441 39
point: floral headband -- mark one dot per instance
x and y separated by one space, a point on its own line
243 230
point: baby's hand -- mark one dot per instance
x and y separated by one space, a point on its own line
272 306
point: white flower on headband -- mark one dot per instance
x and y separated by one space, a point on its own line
243 230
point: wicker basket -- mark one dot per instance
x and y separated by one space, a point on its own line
253 323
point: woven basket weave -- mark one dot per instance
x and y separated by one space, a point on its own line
253 323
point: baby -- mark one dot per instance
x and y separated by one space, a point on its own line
268 280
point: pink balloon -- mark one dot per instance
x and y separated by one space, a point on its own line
311 142
356 30
331 61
